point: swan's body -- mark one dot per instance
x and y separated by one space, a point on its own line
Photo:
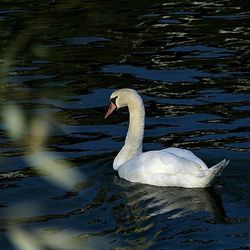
167 167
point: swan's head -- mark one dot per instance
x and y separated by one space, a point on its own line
121 98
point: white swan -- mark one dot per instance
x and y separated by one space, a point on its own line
168 167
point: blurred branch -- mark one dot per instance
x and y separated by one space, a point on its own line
34 138
32 132
23 240
41 240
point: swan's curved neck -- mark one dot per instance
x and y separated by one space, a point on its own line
133 141
136 126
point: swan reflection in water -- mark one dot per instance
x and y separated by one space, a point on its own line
173 201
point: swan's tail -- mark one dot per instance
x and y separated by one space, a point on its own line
214 171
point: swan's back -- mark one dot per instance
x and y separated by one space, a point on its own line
186 154
162 168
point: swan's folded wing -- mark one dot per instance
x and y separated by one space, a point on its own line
186 154
157 163
173 164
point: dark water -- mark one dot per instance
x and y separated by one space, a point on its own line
188 59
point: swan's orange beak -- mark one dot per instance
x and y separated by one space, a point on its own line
112 108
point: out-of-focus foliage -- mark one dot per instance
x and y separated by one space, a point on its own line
13 118
31 131
33 137
41 239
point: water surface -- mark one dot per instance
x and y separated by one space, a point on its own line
188 60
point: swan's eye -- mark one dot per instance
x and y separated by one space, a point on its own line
113 100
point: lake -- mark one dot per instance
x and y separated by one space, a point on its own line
60 61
